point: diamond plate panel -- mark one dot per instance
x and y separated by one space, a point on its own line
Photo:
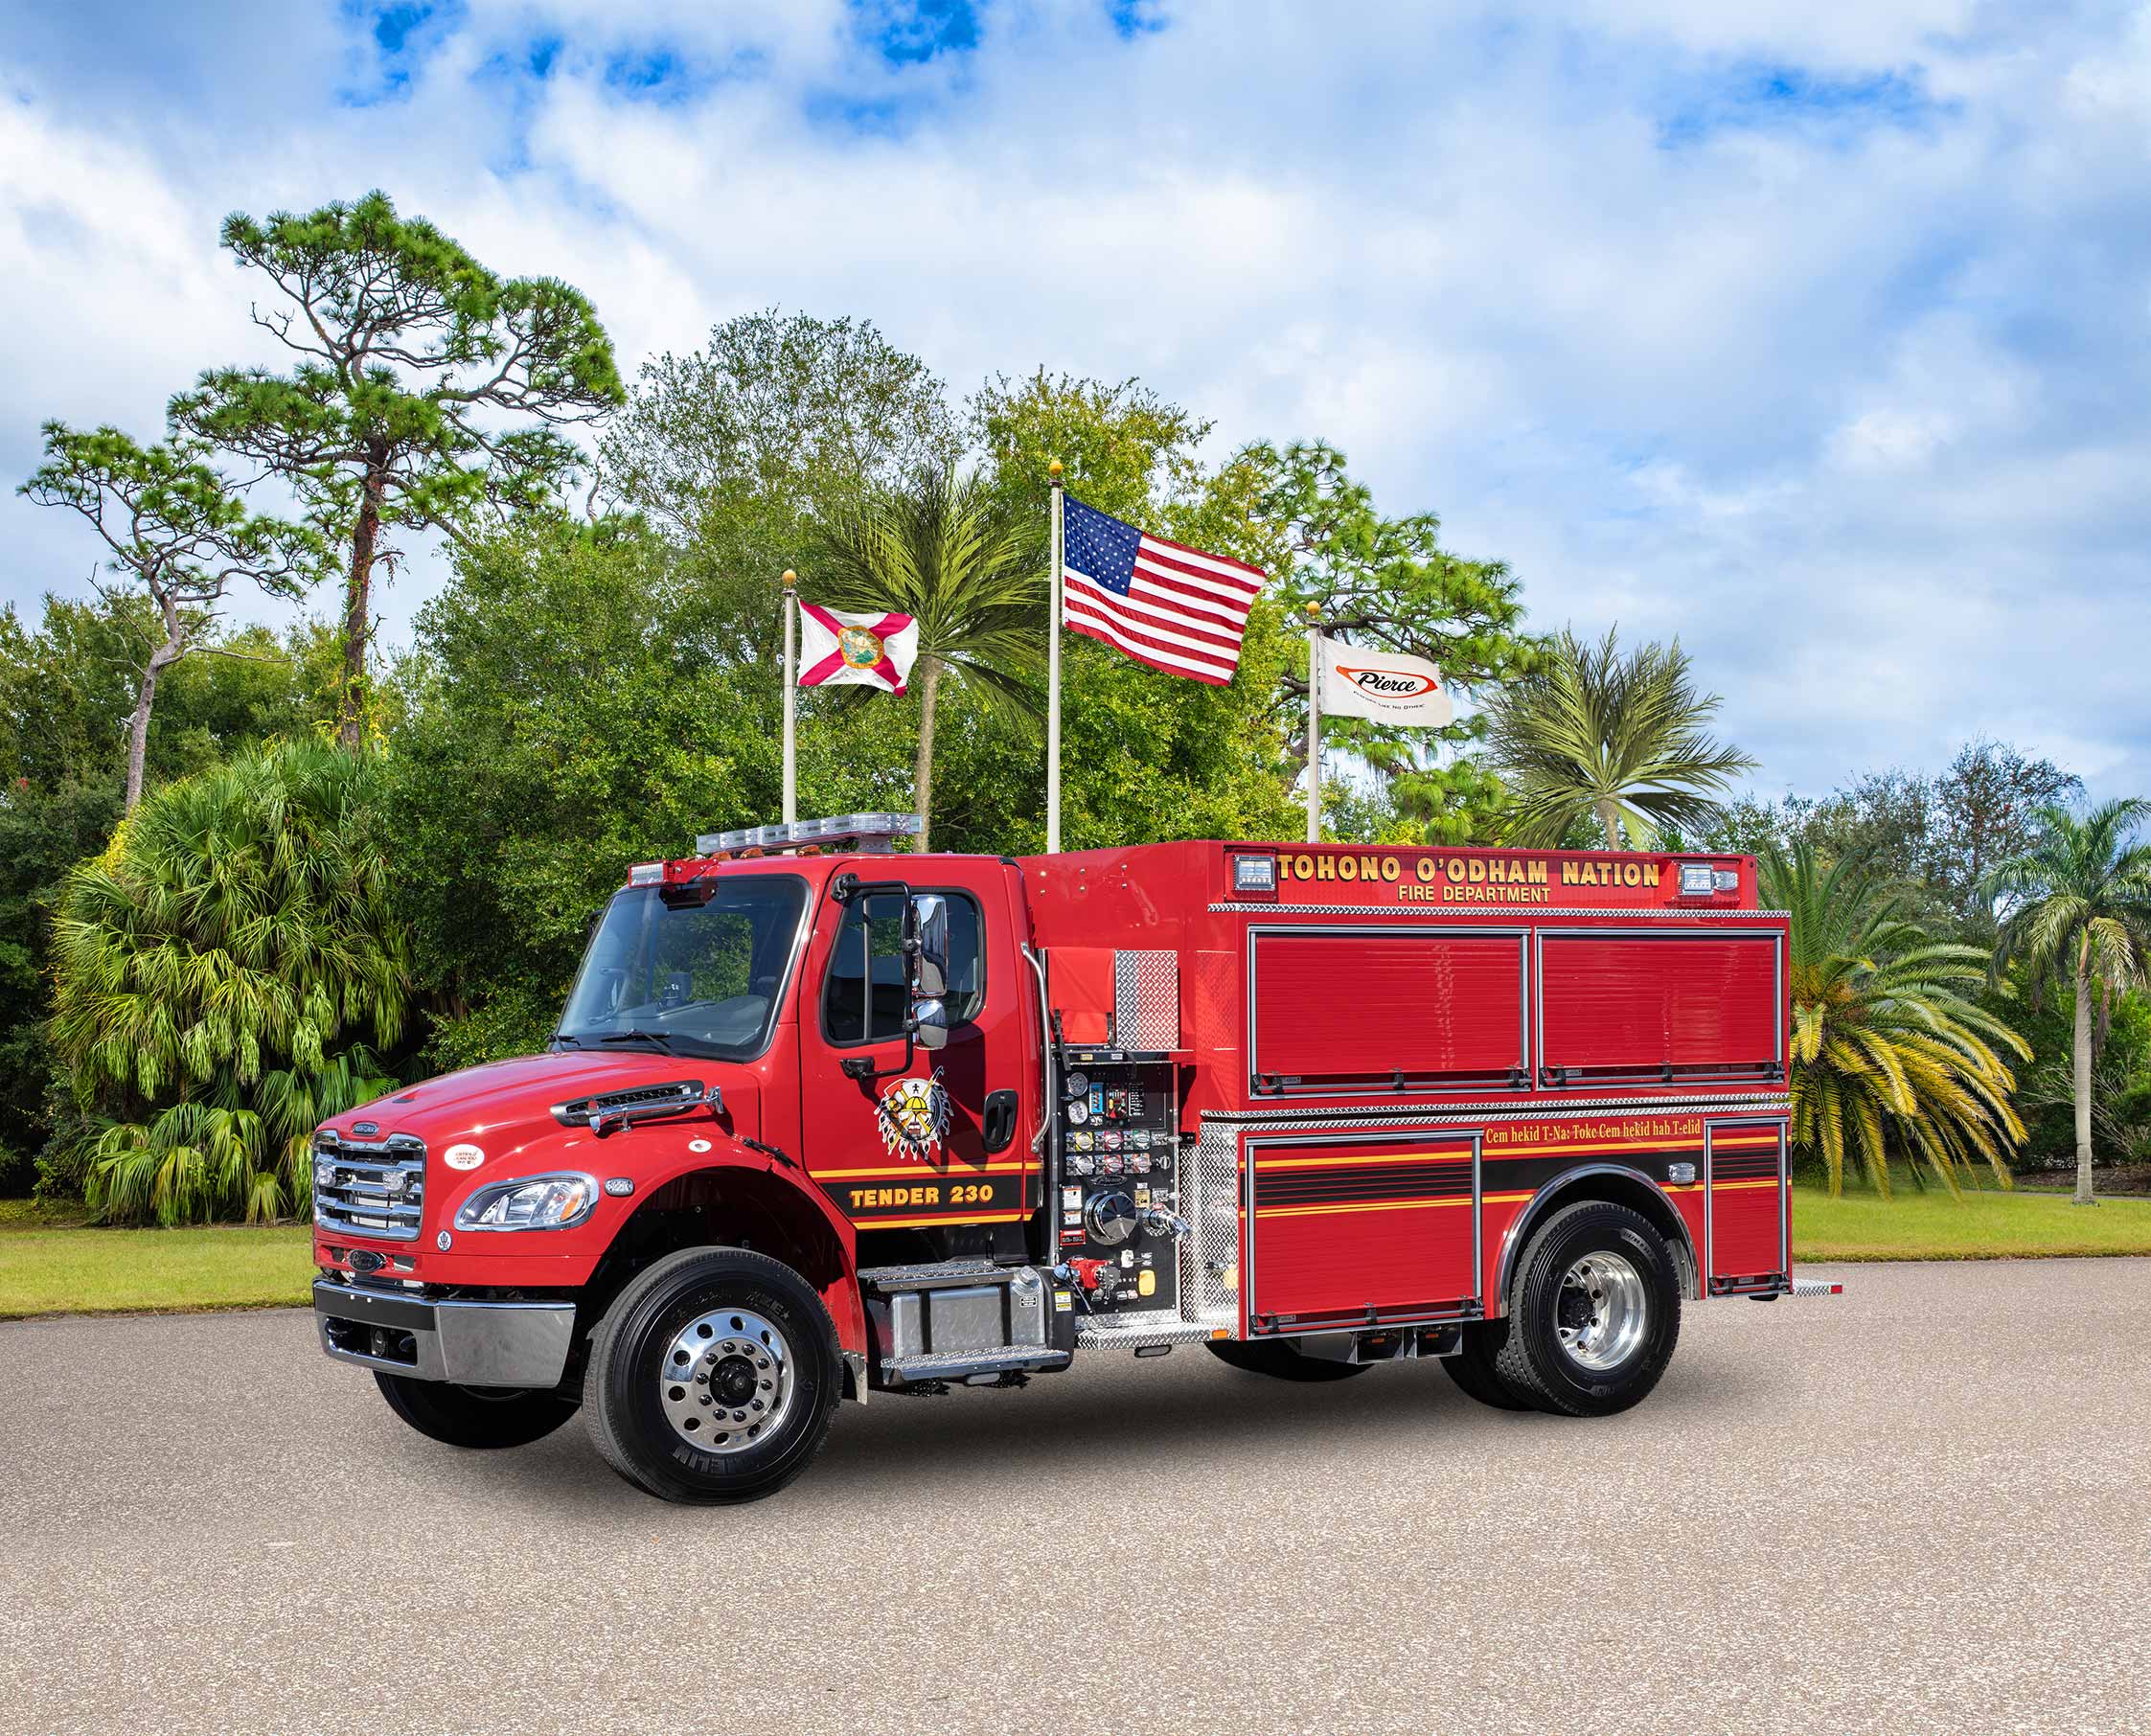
1130 1331
1146 999
1210 1202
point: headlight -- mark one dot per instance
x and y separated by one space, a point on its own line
535 1202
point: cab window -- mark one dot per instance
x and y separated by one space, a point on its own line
863 997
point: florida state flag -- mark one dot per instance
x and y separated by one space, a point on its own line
838 647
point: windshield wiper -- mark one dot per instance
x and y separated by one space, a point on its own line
574 1042
658 1037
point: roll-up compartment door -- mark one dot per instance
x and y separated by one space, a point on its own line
1358 1228
1659 1005
1746 1222
1385 1008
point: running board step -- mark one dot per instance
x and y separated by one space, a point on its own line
962 1364
938 1274
1129 1331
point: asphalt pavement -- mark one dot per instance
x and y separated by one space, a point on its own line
1921 1506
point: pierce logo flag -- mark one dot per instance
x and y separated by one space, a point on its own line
1383 686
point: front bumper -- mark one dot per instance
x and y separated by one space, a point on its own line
470 1343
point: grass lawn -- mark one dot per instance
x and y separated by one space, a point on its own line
50 1270
1981 1225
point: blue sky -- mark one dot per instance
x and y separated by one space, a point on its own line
1820 336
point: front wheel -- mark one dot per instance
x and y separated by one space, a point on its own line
713 1377
474 1416
1281 1360
1594 1314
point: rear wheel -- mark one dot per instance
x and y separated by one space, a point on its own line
1595 1313
713 1377
1281 1360
1472 1367
474 1416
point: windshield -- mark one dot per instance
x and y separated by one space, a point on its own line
684 977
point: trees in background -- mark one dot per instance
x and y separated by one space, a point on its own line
1933 840
735 450
1388 582
42 835
1888 1048
226 975
2077 908
944 550
66 694
426 391
572 704
1936 836
172 526
1144 755
1621 739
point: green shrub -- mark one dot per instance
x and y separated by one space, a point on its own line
216 970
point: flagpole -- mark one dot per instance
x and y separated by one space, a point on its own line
1314 724
1053 678
791 697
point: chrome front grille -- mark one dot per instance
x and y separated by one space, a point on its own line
375 1190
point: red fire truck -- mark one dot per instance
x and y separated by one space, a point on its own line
823 1120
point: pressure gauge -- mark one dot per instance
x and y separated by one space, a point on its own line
1076 1085
1079 1112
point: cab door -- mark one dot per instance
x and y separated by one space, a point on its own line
938 1136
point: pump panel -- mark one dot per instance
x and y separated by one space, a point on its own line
1120 1161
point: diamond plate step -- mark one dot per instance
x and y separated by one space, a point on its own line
958 1364
934 1274
1127 1331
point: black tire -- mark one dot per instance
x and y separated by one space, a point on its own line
1281 1360
1472 1367
776 1314
474 1416
1538 1365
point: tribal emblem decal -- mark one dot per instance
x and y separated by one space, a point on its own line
913 1115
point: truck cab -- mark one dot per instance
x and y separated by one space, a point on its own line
820 1119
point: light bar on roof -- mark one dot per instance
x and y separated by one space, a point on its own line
872 832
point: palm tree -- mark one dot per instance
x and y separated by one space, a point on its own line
1593 732
2079 909
1887 1043
944 551
212 971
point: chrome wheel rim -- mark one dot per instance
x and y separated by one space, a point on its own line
1601 1312
725 1380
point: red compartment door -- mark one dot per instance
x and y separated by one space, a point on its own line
1748 1228
1638 1006
1353 1229
1337 1008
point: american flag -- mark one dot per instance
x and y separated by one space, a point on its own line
1164 604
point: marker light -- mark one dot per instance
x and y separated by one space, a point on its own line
1698 879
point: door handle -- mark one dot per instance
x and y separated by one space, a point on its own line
998 1127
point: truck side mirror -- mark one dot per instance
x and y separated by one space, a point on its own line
929 1024
930 953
